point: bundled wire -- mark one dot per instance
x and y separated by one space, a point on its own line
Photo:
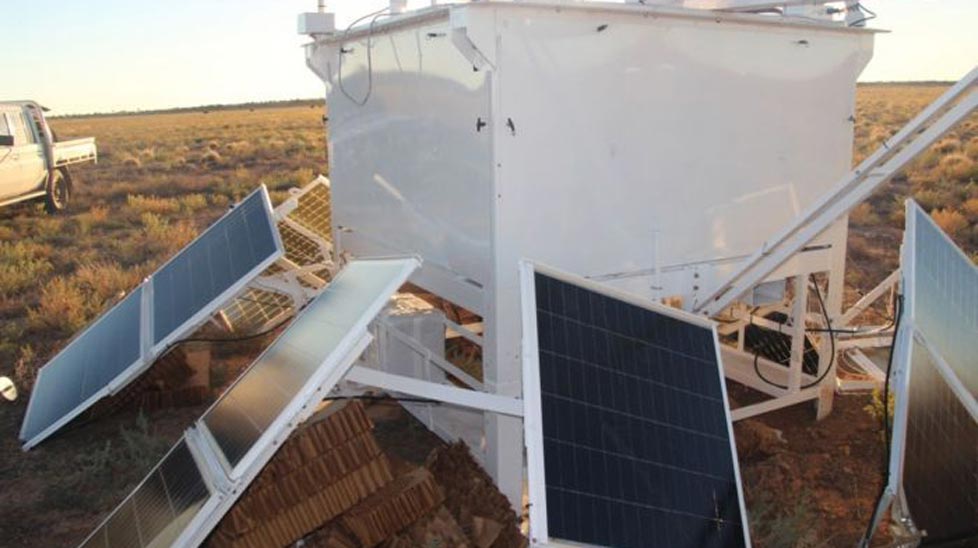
831 332
370 61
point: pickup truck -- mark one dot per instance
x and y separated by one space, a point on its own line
33 163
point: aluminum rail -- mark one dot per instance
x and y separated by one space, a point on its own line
909 143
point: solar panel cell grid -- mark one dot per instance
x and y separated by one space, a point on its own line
211 265
157 511
941 465
86 366
636 440
250 406
946 299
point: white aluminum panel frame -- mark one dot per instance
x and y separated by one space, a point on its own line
152 351
532 400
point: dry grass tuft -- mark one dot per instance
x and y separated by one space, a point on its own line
957 167
864 215
131 161
63 308
105 280
193 202
152 204
950 220
21 265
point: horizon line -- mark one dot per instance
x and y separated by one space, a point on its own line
276 103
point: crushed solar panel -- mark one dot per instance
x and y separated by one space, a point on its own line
86 366
181 295
250 406
637 444
212 264
159 509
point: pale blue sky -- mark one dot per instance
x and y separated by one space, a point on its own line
105 55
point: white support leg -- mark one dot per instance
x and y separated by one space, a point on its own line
799 312
827 355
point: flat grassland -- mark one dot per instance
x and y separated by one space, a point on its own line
163 177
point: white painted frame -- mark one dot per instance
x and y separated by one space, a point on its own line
532 401
472 399
150 351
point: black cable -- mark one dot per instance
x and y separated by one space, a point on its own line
370 62
871 15
830 331
887 431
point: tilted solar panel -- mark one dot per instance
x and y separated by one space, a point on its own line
159 508
188 285
634 430
179 297
934 455
87 365
945 298
236 437
940 476
247 409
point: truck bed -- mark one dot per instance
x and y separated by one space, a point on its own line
74 152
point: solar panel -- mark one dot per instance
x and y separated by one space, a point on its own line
159 507
180 296
78 374
237 436
247 409
934 455
186 288
945 298
628 433
940 476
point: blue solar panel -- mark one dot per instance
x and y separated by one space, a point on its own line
637 444
184 293
232 248
85 366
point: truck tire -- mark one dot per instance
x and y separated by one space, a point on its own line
58 192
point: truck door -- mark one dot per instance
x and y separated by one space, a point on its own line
9 170
27 155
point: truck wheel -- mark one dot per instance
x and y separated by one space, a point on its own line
58 192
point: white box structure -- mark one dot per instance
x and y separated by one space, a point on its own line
649 148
